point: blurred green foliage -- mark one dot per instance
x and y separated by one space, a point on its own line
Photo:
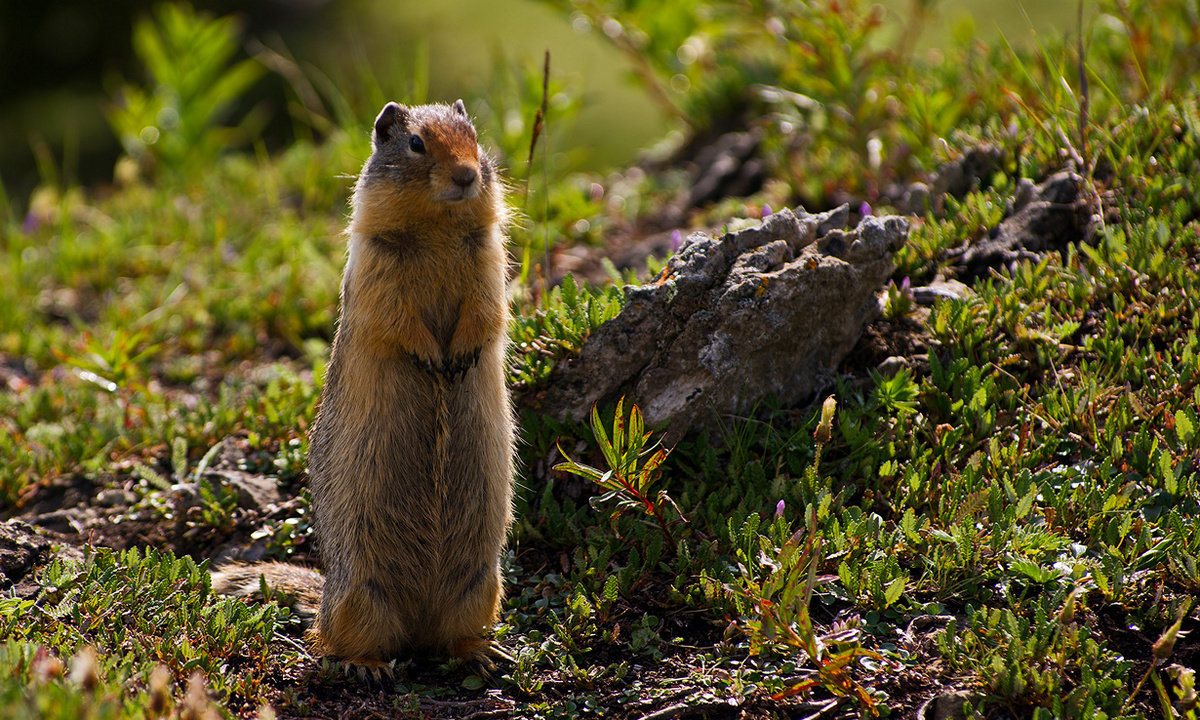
193 85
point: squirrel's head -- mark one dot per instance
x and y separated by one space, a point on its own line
427 163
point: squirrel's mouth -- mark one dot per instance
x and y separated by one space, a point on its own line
457 194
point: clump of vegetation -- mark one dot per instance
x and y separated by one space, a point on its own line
1016 501
147 620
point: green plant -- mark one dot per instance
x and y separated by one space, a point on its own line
775 613
896 394
1185 692
557 329
128 619
633 470
1046 661
1163 647
898 300
177 119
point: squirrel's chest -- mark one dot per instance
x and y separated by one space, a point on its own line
440 315
380 291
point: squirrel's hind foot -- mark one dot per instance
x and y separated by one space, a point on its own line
481 652
377 674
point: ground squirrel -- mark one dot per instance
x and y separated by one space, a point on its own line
411 457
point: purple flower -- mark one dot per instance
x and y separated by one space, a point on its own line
865 210
676 240
766 211
779 509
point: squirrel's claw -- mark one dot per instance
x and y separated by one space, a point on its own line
374 673
482 654
427 365
455 369
497 653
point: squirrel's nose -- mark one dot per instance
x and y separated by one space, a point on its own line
464 176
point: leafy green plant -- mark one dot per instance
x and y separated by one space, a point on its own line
1028 663
895 394
176 120
1162 650
118 361
1185 692
777 614
118 616
898 299
558 327
633 470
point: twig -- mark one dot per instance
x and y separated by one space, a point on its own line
464 704
667 712
682 710
539 126
490 714
292 641
1083 95
822 709
539 119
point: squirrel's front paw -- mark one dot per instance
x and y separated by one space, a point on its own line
430 366
453 368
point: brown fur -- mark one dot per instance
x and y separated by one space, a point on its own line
296 587
410 459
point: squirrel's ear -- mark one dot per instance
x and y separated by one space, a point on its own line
460 108
391 117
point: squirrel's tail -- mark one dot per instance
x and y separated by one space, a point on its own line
297 588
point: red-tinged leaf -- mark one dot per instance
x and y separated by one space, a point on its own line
611 455
614 523
796 689
790 591
636 426
655 460
619 427
611 481
585 471
813 551
597 426
575 468
844 658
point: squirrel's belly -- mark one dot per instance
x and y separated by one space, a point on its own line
436 518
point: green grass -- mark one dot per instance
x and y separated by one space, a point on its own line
1019 507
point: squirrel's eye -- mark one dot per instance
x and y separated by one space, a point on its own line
416 144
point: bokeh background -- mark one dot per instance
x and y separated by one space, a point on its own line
62 62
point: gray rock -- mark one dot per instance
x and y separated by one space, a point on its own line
976 166
941 289
255 492
24 549
68 521
948 706
769 310
1046 216
115 498
892 365
21 550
